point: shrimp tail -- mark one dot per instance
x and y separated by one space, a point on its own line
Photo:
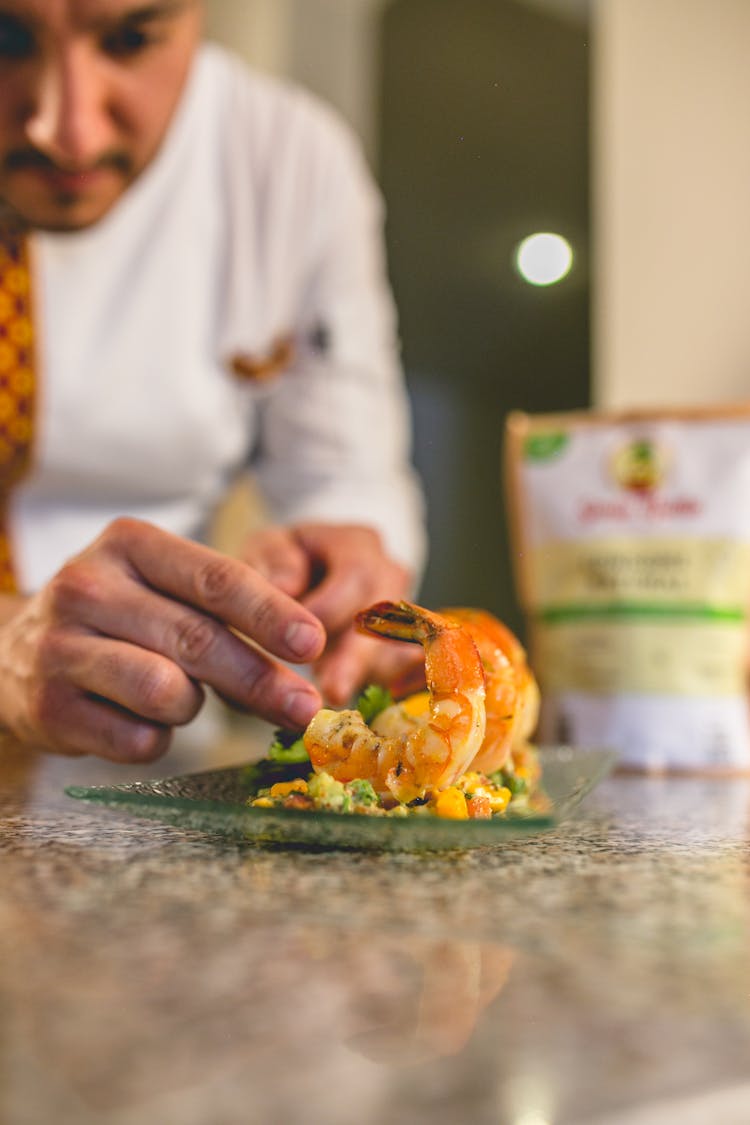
399 621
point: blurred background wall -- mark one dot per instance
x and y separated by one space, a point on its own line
483 141
621 124
671 159
330 46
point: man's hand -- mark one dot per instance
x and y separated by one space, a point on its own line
335 571
111 654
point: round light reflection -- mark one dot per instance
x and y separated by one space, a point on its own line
544 258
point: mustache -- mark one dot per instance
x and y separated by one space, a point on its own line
21 159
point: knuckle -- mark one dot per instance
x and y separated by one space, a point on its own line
257 681
214 580
160 690
265 617
194 639
76 584
120 530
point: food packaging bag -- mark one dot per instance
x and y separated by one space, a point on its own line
631 552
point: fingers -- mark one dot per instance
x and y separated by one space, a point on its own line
67 721
196 647
120 701
340 595
340 672
335 570
355 573
131 677
355 570
224 588
348 559
352 661
111 654
275 553
121 639
405 675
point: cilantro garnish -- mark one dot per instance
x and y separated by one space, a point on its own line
517 785
287 747
372 701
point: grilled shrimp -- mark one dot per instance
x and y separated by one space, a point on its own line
512 694
416 758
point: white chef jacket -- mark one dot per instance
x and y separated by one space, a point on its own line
257 221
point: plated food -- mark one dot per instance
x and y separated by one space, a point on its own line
458 749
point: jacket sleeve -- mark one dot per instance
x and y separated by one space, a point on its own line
335 432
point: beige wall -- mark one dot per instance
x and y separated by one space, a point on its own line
671 147
330 46
256 29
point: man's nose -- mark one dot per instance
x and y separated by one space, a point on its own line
70 121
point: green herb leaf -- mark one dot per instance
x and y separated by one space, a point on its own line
286 760
295 752
517 785
373 700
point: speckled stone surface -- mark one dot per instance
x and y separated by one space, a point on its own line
599 973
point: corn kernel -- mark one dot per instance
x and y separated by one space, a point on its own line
469 781
415 705
451 804
284 788
499 798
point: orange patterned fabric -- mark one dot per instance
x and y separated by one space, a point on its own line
17 382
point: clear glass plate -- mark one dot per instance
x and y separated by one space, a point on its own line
214 802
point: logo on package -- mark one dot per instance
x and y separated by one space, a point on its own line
640 466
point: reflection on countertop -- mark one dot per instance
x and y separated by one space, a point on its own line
598 973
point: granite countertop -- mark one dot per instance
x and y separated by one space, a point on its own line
595 973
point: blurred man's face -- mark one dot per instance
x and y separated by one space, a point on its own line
87 92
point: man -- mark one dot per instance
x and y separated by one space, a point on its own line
190 281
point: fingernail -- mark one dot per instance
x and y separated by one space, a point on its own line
299 708
303 639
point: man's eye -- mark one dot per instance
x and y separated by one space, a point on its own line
16 41
127 41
